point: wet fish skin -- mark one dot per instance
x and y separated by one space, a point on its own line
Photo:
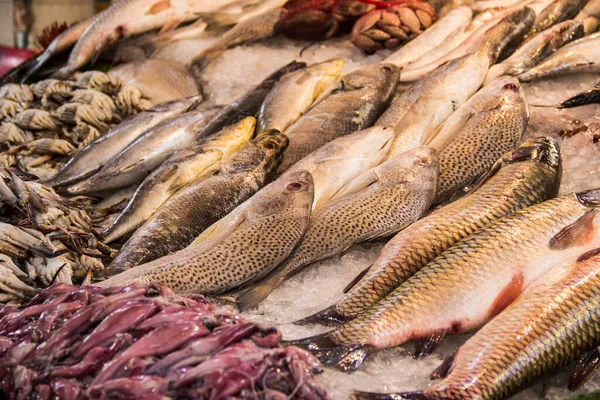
537 48
590 16
391 196
455 21
591 96
526 176
352 104
555 317
182 168
193 209
579 56
558 11
96 154
295 93
249 104
146 153
272 223
490 124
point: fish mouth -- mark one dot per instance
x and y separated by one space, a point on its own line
589 198
543 149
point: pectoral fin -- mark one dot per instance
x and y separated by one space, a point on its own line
578 233
507 295
159 6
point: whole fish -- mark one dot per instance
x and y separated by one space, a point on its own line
591 96
558 11
579 56
416 113
536 49
129 17
262 236
552 324
336 163
146 153
471 282
295 93
182 168
351 104
528 175
385 199
98 153
196 207
590 16
455 21
479 132
249 105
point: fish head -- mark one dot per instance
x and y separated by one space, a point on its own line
375 77
506 92
544 150
264 152
589 198
418 168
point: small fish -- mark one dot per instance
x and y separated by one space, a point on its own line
455 21
416 113
260 237
384 200
98 153
295 92
182 168
590 16
526 176
551 325
196 207
590 96
351 104
134 163
558 11
471 282
579 56
249 105
536 49
488 125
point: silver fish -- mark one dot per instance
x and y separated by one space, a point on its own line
558 11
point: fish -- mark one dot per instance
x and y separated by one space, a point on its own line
129 17
536 49
99 152
336 163
134 163
455 21
579 56
249 105
483 5
558 11
182 168
590 16
528 175
470 283
351 104
551 325
196 207
416 113
590 96
479 132
261 236
294 93
385 200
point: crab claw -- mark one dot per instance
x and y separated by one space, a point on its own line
17 242
11 284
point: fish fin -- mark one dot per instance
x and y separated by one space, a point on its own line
169 26
361 182
357 279
507 295
168 173
482 179
344 357
588 254
586 366
444 368
253 295
327 316
427 344
358 395
221 229
159 6
439 142
577 234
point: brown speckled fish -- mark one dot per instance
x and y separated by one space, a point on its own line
551 325
523 177
384 200
263 233
196 207
469 283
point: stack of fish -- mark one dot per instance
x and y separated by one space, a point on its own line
232 201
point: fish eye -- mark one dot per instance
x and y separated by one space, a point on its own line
510 86
294 186
423 161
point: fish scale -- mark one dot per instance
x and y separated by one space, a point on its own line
515 186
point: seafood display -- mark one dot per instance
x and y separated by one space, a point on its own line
249 199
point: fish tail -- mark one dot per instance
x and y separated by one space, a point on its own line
327 316
253 295
344 357
39 62
358 395
582 99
